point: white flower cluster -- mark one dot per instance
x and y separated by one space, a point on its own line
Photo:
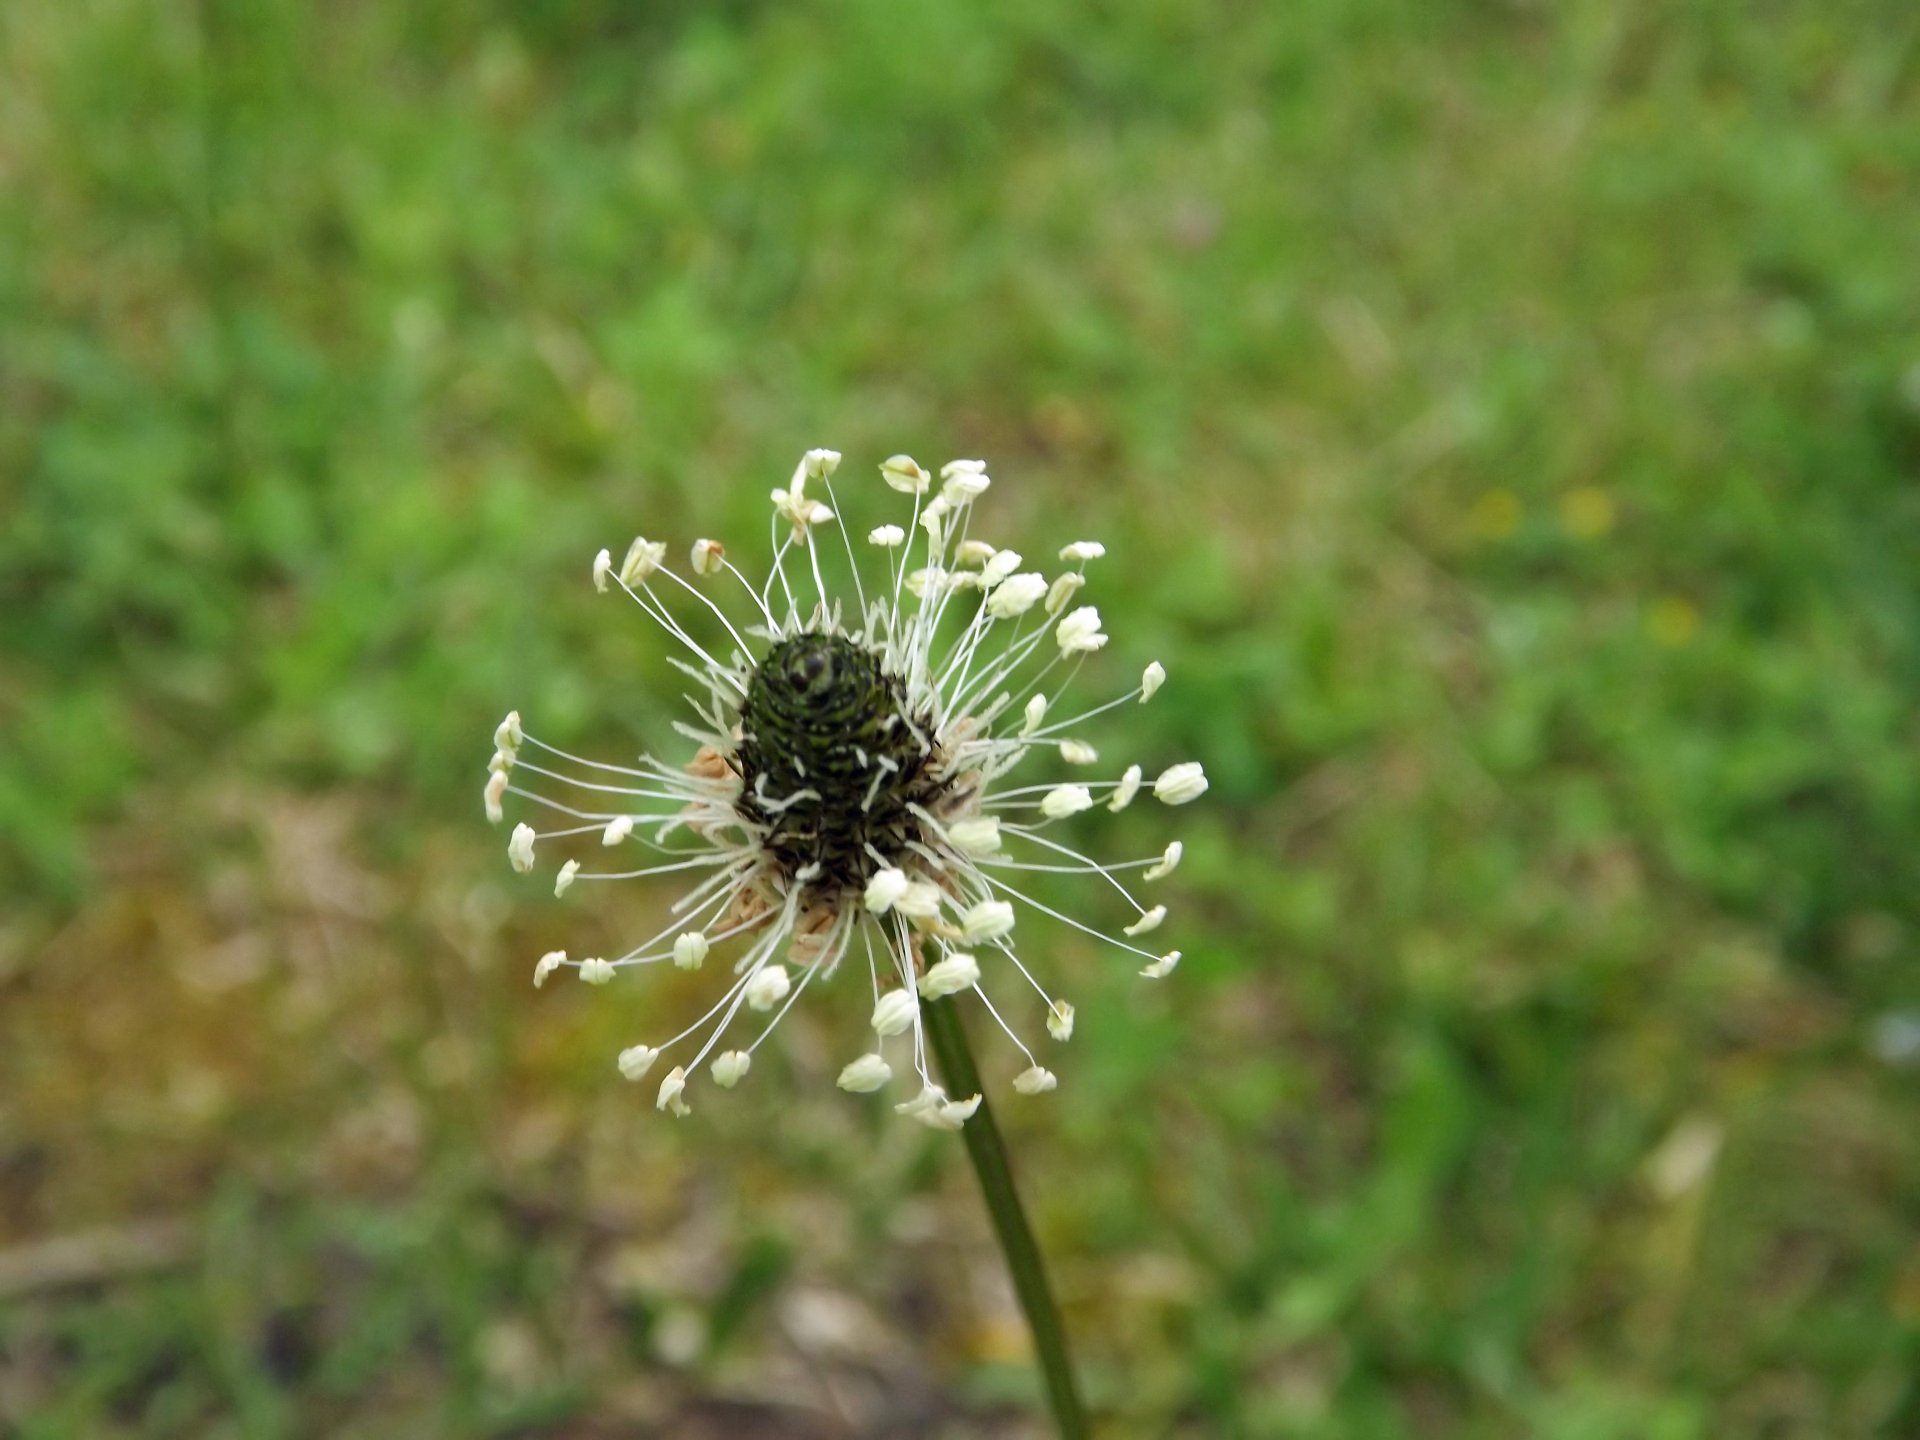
976 650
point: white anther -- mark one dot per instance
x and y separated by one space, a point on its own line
1065 800
1016 595
1083 551
885 889
549 962
1079 633
689 950
709 557
887 535
988 919
1163 967
496 791
895 1012
1002 564
1148 921
602 567
978 836
904 473
618 829
596 972
1124 792
1078 752
1036 1080
1151 679
636 1060
1179 784
952 975
1035 712
643 558
865 1075
768 987
921 902
730 1067
520 848
671 1089
1168 862
1063 590
565 878
1060 1020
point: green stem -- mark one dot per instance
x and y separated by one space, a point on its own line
989 1155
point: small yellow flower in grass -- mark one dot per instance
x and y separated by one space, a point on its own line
1587 513
1672 621
1496 515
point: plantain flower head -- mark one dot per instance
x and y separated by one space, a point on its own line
850 797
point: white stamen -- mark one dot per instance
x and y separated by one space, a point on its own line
1169 861
903 473
865 1075
709 557
618 829
596 972
1083 551
1124 792
1163 967
895 1013
643 558
520 848
671 1090
1036 711
730 1067
549 962
1179 784
1060 1020
689 950
768 987
1035 1081
988 919
979 836
1065 800
565 878
952 975
1151 679
1078 752
1149 921
1079 633
885 889
636 1060
1062 591
496 789
602 566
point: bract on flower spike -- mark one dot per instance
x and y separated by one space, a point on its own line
848 790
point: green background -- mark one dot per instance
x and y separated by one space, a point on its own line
1504 423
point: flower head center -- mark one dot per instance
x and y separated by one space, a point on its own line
831 763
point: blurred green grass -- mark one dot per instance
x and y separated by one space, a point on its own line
1503 421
